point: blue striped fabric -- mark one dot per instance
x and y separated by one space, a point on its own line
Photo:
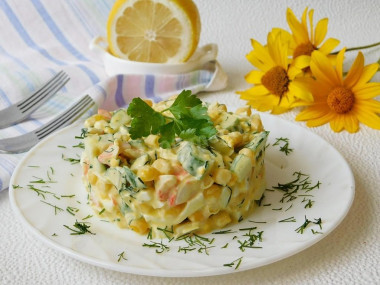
38 38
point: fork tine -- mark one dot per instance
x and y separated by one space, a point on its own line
65 118
50 87
21 110
25 142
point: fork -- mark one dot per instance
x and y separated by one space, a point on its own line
21 110
25 142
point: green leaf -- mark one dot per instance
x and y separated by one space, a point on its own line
145 120
183 103
190 122
167 135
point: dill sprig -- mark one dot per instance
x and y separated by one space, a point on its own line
81 228
40 192
167 232
288 220
83 134
196 242
160 246
121 256
283 143
223 232
72 210
291 190
306 223
251 238
56 208
237 261
70 159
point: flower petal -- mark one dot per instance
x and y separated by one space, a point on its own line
254 76
368 118
320 31
299 33
278 51
311 13
370 90
256 90
261 52
328 46
351 123
322 69
355 71
339 65
337 124
368 72
321 120
255 60
300 90
303 19
313 112
371 105
301 61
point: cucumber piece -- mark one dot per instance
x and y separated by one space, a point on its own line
257 144
195 160
229 121
119 118
141 161
242 167
124 179
220 145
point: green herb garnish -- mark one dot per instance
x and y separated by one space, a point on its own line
231 264
121 256
80 228
283 143
56 208
189 121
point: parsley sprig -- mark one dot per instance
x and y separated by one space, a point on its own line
189 120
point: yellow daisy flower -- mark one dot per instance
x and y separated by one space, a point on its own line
344 102
276 85
305 42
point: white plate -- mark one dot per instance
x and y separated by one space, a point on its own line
311 155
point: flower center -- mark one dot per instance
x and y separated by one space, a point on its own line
276 80
304 49
341 100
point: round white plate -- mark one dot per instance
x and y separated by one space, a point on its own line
47 213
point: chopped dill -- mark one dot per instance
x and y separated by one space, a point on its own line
231 264
283 143
80 228
121 256
56 208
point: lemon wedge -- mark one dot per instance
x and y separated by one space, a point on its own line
157 31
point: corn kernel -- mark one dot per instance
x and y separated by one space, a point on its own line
152 141
140 226
249 153
149 102
244 110
222 176
162 165
212 192
147 173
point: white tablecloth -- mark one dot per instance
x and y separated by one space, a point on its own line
349 255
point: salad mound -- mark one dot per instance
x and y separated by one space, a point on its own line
180 165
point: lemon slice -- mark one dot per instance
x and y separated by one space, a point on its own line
159 31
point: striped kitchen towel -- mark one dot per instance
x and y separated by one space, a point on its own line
38 38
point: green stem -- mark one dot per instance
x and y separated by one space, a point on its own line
360 47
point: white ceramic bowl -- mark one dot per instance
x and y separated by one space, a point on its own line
114 65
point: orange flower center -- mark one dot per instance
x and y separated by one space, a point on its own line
276 80
341 100
304 49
